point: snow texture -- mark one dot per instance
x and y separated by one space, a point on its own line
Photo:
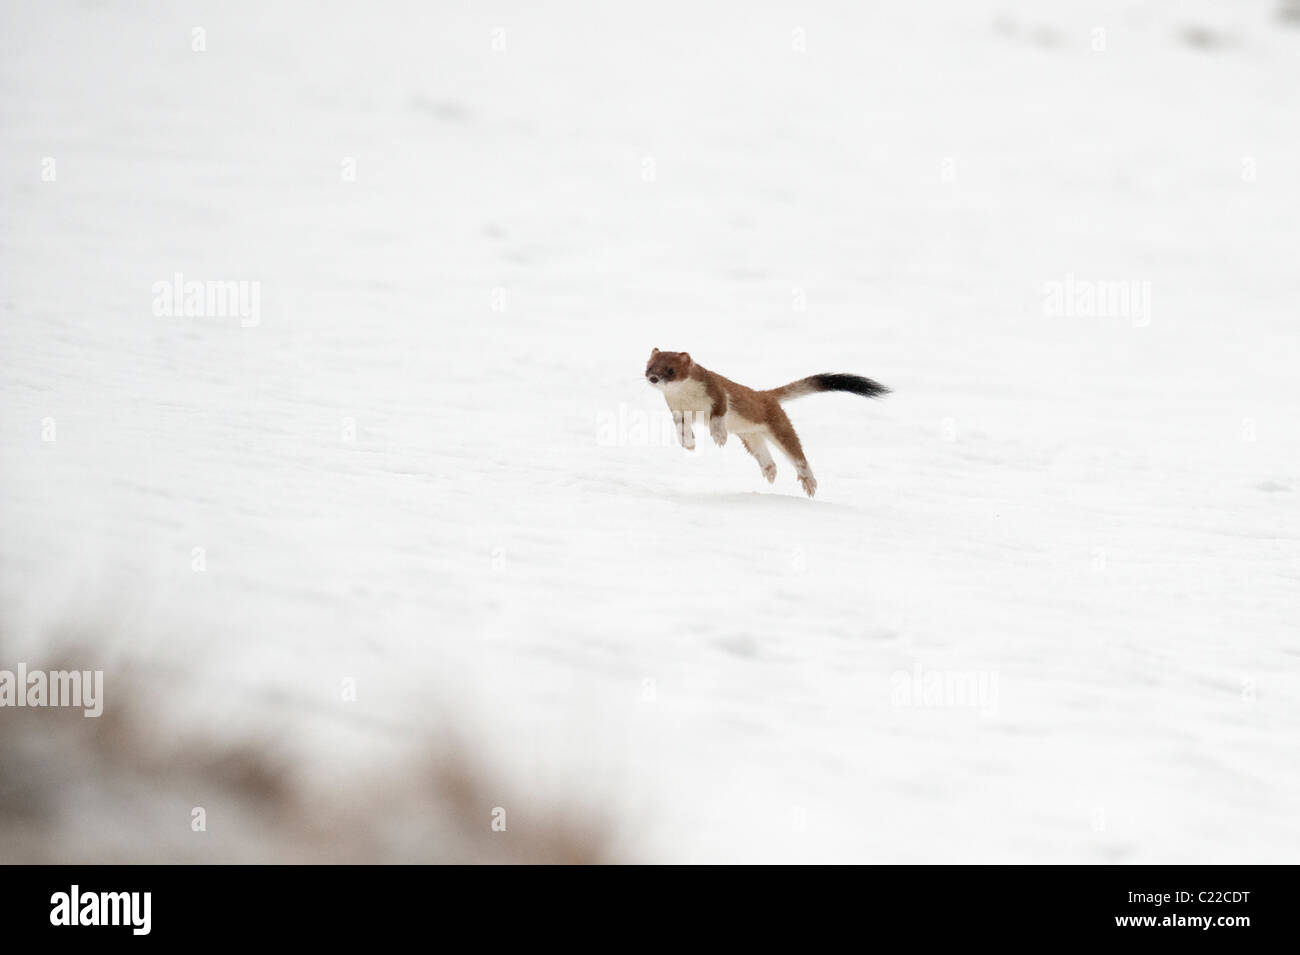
1044 606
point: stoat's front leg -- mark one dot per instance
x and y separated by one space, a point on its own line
683 421
717 411
718 428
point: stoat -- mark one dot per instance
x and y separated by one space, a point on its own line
691 389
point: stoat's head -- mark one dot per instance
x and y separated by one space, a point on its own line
666 367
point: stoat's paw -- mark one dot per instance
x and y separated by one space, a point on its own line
718 428
809 484
769 472
688 440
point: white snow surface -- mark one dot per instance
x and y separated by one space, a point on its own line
433 466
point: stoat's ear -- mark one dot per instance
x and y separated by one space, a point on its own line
653 352
686 357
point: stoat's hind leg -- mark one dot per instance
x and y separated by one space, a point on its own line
756 445
782 432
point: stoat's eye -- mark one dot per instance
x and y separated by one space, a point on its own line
669 373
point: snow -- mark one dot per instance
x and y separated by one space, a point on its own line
431 465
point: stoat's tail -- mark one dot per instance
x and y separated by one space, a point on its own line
815 383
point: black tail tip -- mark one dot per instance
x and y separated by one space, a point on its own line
855 384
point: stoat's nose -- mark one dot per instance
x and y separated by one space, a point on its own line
654 380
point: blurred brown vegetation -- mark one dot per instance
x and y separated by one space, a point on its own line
121 788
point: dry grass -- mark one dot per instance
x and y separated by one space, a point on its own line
122 789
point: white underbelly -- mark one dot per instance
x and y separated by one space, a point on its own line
688 396
693 397
738 425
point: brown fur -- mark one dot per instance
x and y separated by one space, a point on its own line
724 393
691 389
